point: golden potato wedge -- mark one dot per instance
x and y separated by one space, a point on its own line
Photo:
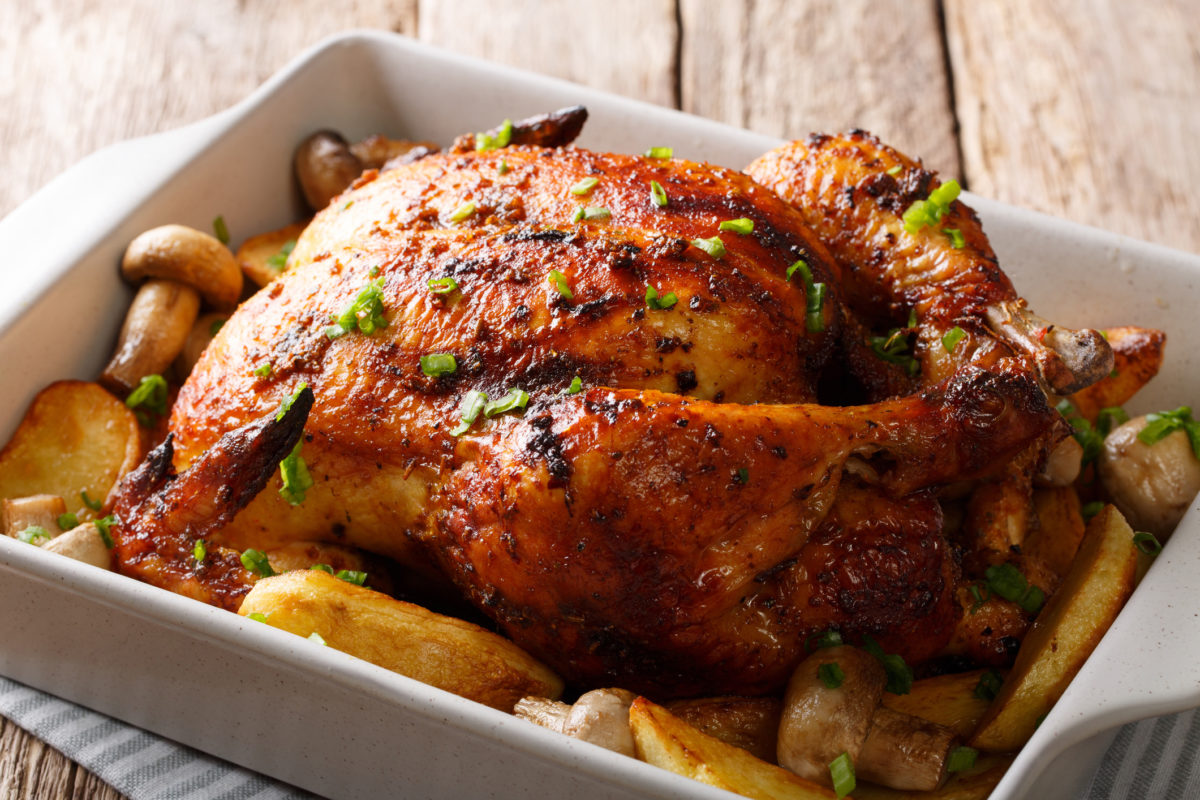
751 723
75 437
1064 635
442 651
1138 354
262 257
1054 541
975 783
946 699
666 741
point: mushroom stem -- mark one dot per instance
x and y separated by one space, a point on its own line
905 752
83 543
39 510
155 329
600 716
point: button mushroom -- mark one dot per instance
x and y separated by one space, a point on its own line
325 166
1152 484
831 710
179 266
600 716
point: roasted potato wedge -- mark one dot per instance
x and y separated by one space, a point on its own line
442 651
1138 355
1054 541
751 723
946 699
262 257
1065 634
666 741
975 783
75 437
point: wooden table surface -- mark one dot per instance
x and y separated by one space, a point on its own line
1085 109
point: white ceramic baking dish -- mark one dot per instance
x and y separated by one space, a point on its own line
344 728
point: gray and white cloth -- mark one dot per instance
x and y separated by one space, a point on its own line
1150 760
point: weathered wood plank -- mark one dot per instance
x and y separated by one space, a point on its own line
791 67
621 46
79 75
29 769
1085 109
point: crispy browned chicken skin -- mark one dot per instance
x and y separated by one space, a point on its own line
686 521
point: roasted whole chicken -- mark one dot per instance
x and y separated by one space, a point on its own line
736 468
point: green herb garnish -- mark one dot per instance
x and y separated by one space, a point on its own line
841 774
952 338
462 212
365 313
148 399
923 213
35 535
660 152
956 237
712 245
472 406
256 561
1162 424
590 213
516 398
67 521
94 505
900 675
216 326
351 576
264 370
576 385
961 758
286 404
988 686
297 480
1091 440
497 140
831 675
659 303
435 365
1007 581
1147 542
220 229
584 186
104 528
742 225
200 551
658 195
279 260
442 285
559 281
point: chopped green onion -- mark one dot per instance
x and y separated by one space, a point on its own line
658 195
297 480
801 266
67 521
348 204
257 616
952 338
659 303
35 535
559 281
584 186
94 505
279 260
286 404
104 528
895 170
462 212
831 675
316 637
912 318
322 568
660 152
961 758
900 674
893 348
472 405
435 365
742 225
220 229
442 285
365 313
1163 423
590 212
199 552
930 212
956 238
516 398
823 640
502 167
216 326
576 385
712 245
1088 437
263 370
497 140
256 561
1109 418
1007 581
1091 509
841 774
988 686
977 595
149 399
814 304
351 576
742 476
1147 543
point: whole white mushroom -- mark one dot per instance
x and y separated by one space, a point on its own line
1152 484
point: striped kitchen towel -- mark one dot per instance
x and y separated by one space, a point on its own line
1154 759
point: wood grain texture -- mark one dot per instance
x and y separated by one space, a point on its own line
87 74
1086 109
30 769
791 67
622 46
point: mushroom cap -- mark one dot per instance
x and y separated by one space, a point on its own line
1152 484
191 257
